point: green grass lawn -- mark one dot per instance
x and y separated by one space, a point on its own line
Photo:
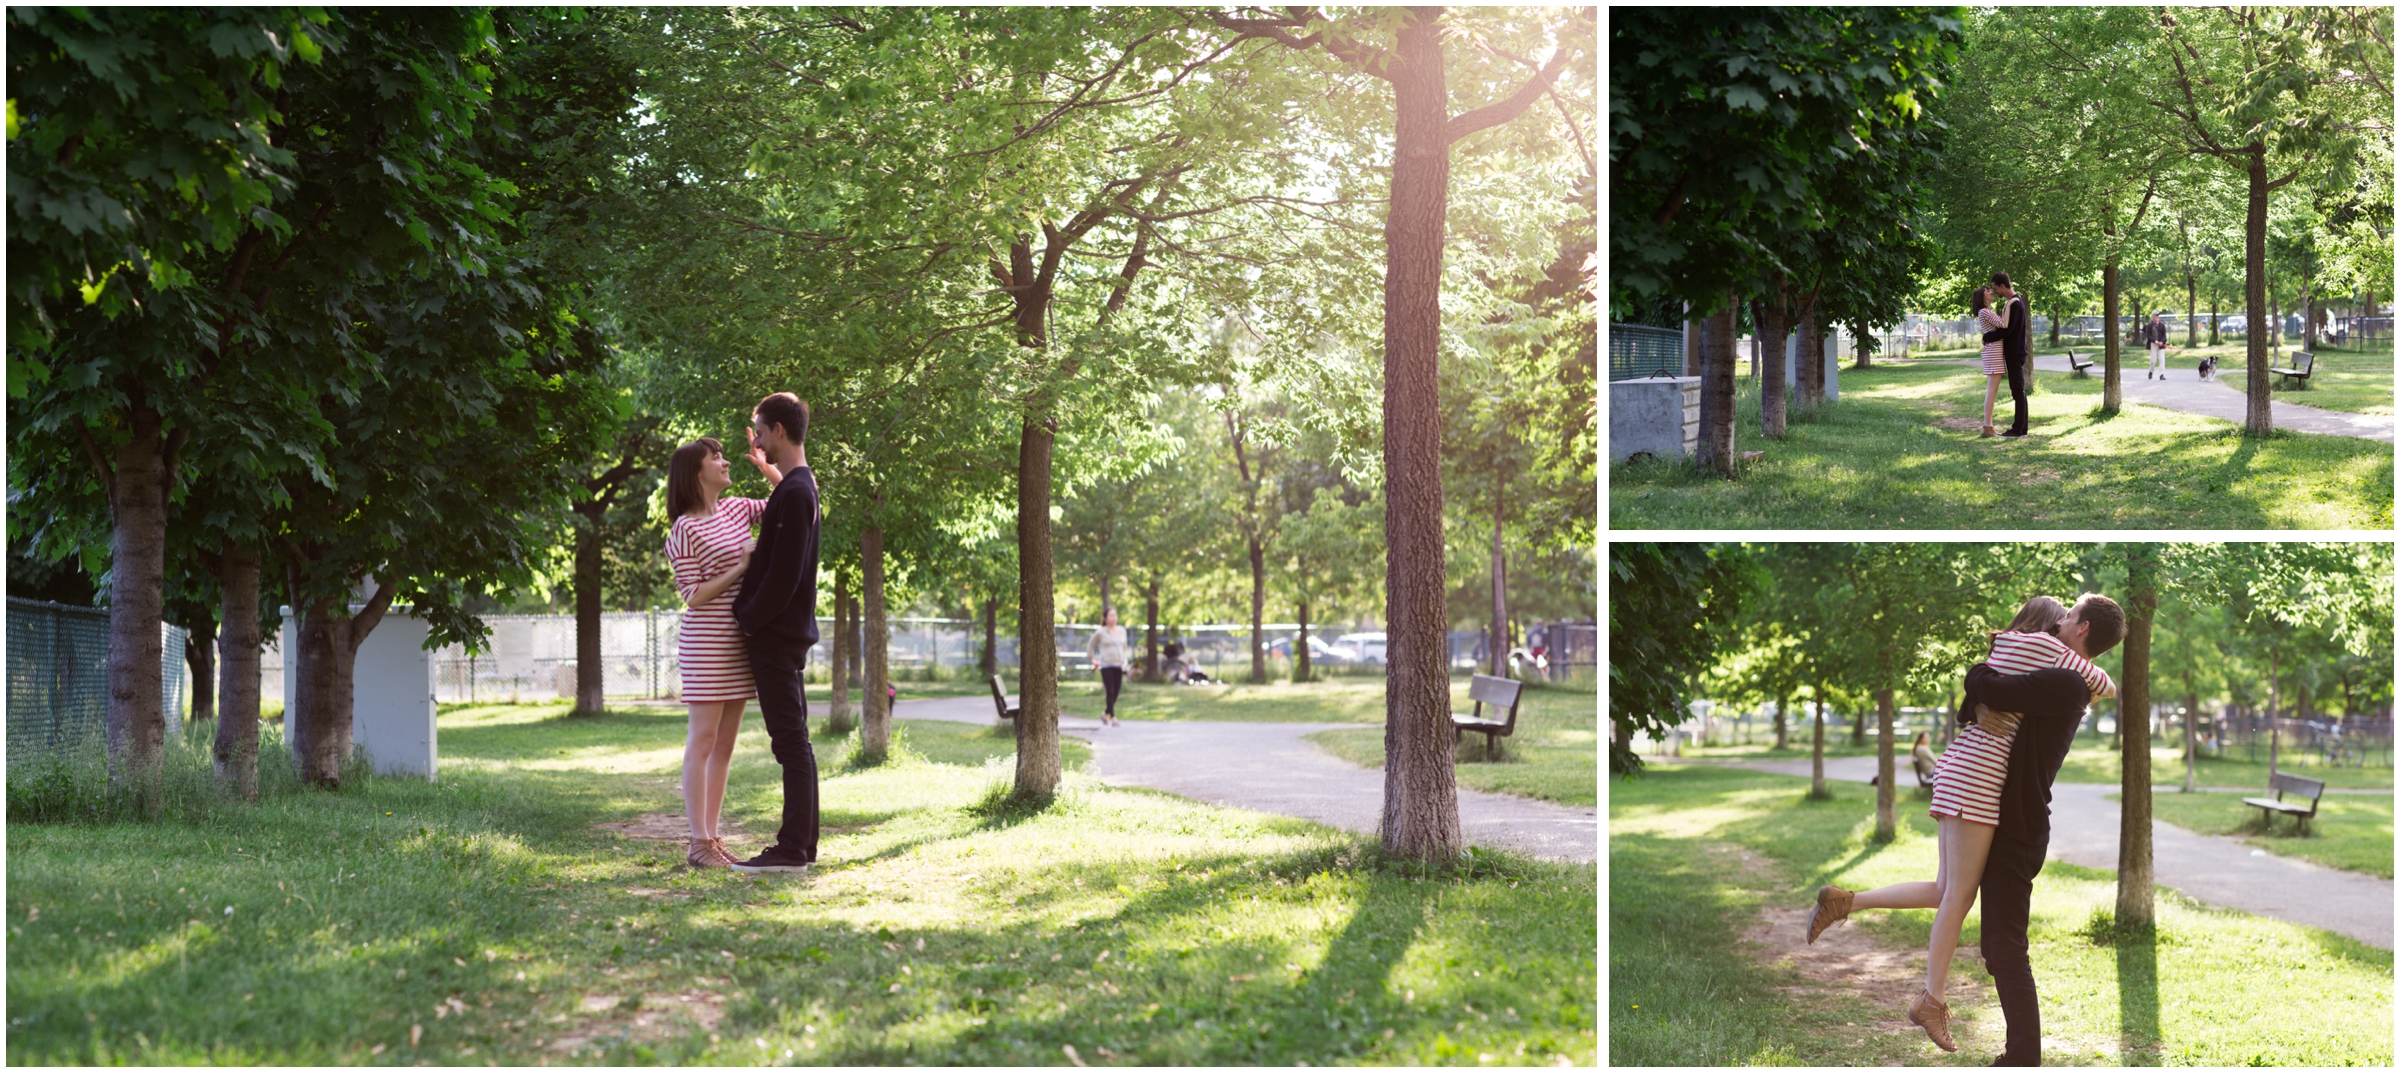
2091 760
1900 451
1554 754
2350 831
1695 853
2356 380
484 919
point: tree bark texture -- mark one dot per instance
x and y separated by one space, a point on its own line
1781 721
1300 665
1150 642
2112 385
1715 447
1258 609
237 724
1774 334
2136 901
1816 759
1420 791
137 726
875 730
1499 580
2259 415
200 666
1810 364
590 674
1886 817
990 660
838 717
1037 639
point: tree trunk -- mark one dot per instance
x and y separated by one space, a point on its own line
2112 387
590 691
1150 645
200 665
1781 703
2136 903
1715 448
237 724
1886 817
1774 407
1809 364
1258 609
2191 309
1692 365
2191 743
2274 710
1037 639
1300 664
329 636
1420 791
838 717
1816 759
137 727
1858 730
2056 315
2274 319
990 662
2260 416
875 730
1499 581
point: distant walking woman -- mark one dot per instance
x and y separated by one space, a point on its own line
1995 366
709 546
1110 652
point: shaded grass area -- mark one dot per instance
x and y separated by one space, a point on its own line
1900 450
2352 832
1553 755
2092 760
483 919
1684 991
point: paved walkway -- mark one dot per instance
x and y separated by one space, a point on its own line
2212 869
2182 389
1272 767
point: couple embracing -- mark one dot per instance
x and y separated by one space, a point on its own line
2007 347
1991 801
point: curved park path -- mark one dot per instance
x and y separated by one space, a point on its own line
1272 767
2211 869
2183 390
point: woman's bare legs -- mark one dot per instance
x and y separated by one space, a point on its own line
1991 395
706 751
1964 847
1918 895
729 729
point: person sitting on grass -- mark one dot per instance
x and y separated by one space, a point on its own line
1967 784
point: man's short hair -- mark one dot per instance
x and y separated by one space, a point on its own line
1999 279
2106 619
786 409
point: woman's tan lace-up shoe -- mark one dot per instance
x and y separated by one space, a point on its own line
703 854
1933 1016
1833 907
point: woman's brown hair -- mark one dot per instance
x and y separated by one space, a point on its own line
2039 615
683 475
1980 301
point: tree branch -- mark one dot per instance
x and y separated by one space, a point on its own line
108 475
364 622
1512 106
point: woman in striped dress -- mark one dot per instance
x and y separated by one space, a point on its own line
1995 366
709 547
1966 806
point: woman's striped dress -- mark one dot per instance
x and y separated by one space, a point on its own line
708 644
1968 777
1994 364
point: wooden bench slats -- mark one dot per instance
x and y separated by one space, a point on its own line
1000 700
2303 363
1498 692
2295 784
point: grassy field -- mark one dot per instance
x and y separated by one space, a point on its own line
2356 380
2350 831
2091 760
1696 855
1900 451
486 919
1554 754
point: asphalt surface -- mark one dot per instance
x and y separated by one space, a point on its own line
2182 389
2210 869
1272 767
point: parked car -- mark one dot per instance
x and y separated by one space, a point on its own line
2235 323
1369 646
1320 652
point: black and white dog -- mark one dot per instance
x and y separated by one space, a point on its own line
2208 367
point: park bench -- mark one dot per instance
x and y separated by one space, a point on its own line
2314 788
1000 700
2079 367
1484 689
2303 363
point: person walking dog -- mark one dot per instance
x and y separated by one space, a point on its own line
2154 335
777 610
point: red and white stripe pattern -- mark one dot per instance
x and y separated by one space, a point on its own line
708 643
1968 777
1994 363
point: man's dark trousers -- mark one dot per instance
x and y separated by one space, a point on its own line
775 666
2007 913
2016 393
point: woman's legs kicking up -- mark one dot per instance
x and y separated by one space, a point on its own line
1964 847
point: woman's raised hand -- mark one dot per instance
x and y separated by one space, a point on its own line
758 454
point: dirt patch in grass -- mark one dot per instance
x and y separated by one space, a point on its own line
662 827
654 1016
1846 962
2038 476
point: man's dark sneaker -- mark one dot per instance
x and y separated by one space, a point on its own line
2013 434
774 859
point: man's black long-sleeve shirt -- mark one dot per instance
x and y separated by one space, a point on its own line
2052 701
778 599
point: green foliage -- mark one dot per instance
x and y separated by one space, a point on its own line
1667 605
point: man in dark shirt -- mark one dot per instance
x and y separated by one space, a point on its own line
2154 337
777 610
2016 348
2052 702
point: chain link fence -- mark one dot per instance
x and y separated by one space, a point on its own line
58 677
